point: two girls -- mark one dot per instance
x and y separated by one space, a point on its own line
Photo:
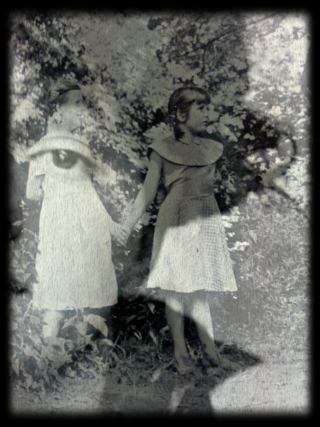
190 255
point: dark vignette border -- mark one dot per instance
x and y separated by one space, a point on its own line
313 227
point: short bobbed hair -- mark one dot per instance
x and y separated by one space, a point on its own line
181 101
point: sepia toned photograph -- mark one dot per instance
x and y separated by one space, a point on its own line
159 207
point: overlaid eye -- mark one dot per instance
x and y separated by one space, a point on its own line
62 155
64 158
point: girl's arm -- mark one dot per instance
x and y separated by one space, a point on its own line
98 174
146 194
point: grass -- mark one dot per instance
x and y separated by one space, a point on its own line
268 316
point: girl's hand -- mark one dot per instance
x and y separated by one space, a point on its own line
120 234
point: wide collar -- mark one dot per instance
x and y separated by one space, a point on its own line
60 140
206 153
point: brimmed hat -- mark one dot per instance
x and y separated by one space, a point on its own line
62 141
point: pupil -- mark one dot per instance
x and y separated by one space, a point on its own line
64 159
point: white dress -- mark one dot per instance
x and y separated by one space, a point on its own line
74 264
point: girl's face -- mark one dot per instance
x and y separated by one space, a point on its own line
198 118
73 97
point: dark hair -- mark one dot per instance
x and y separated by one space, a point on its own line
181 100
60 89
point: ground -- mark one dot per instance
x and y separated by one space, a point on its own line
255 69
270 345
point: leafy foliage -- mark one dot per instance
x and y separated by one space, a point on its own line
127 66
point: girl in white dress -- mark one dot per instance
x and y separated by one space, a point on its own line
73 262
190 255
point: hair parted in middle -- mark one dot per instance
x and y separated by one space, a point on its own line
181 101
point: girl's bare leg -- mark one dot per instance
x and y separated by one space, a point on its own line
53 345
174 314
200 313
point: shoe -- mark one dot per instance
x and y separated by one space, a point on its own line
186 366
228 365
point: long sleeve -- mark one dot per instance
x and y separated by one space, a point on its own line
147 192
110 223
100 174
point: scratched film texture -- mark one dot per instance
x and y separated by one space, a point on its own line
255 67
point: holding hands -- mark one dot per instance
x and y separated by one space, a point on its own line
120 233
